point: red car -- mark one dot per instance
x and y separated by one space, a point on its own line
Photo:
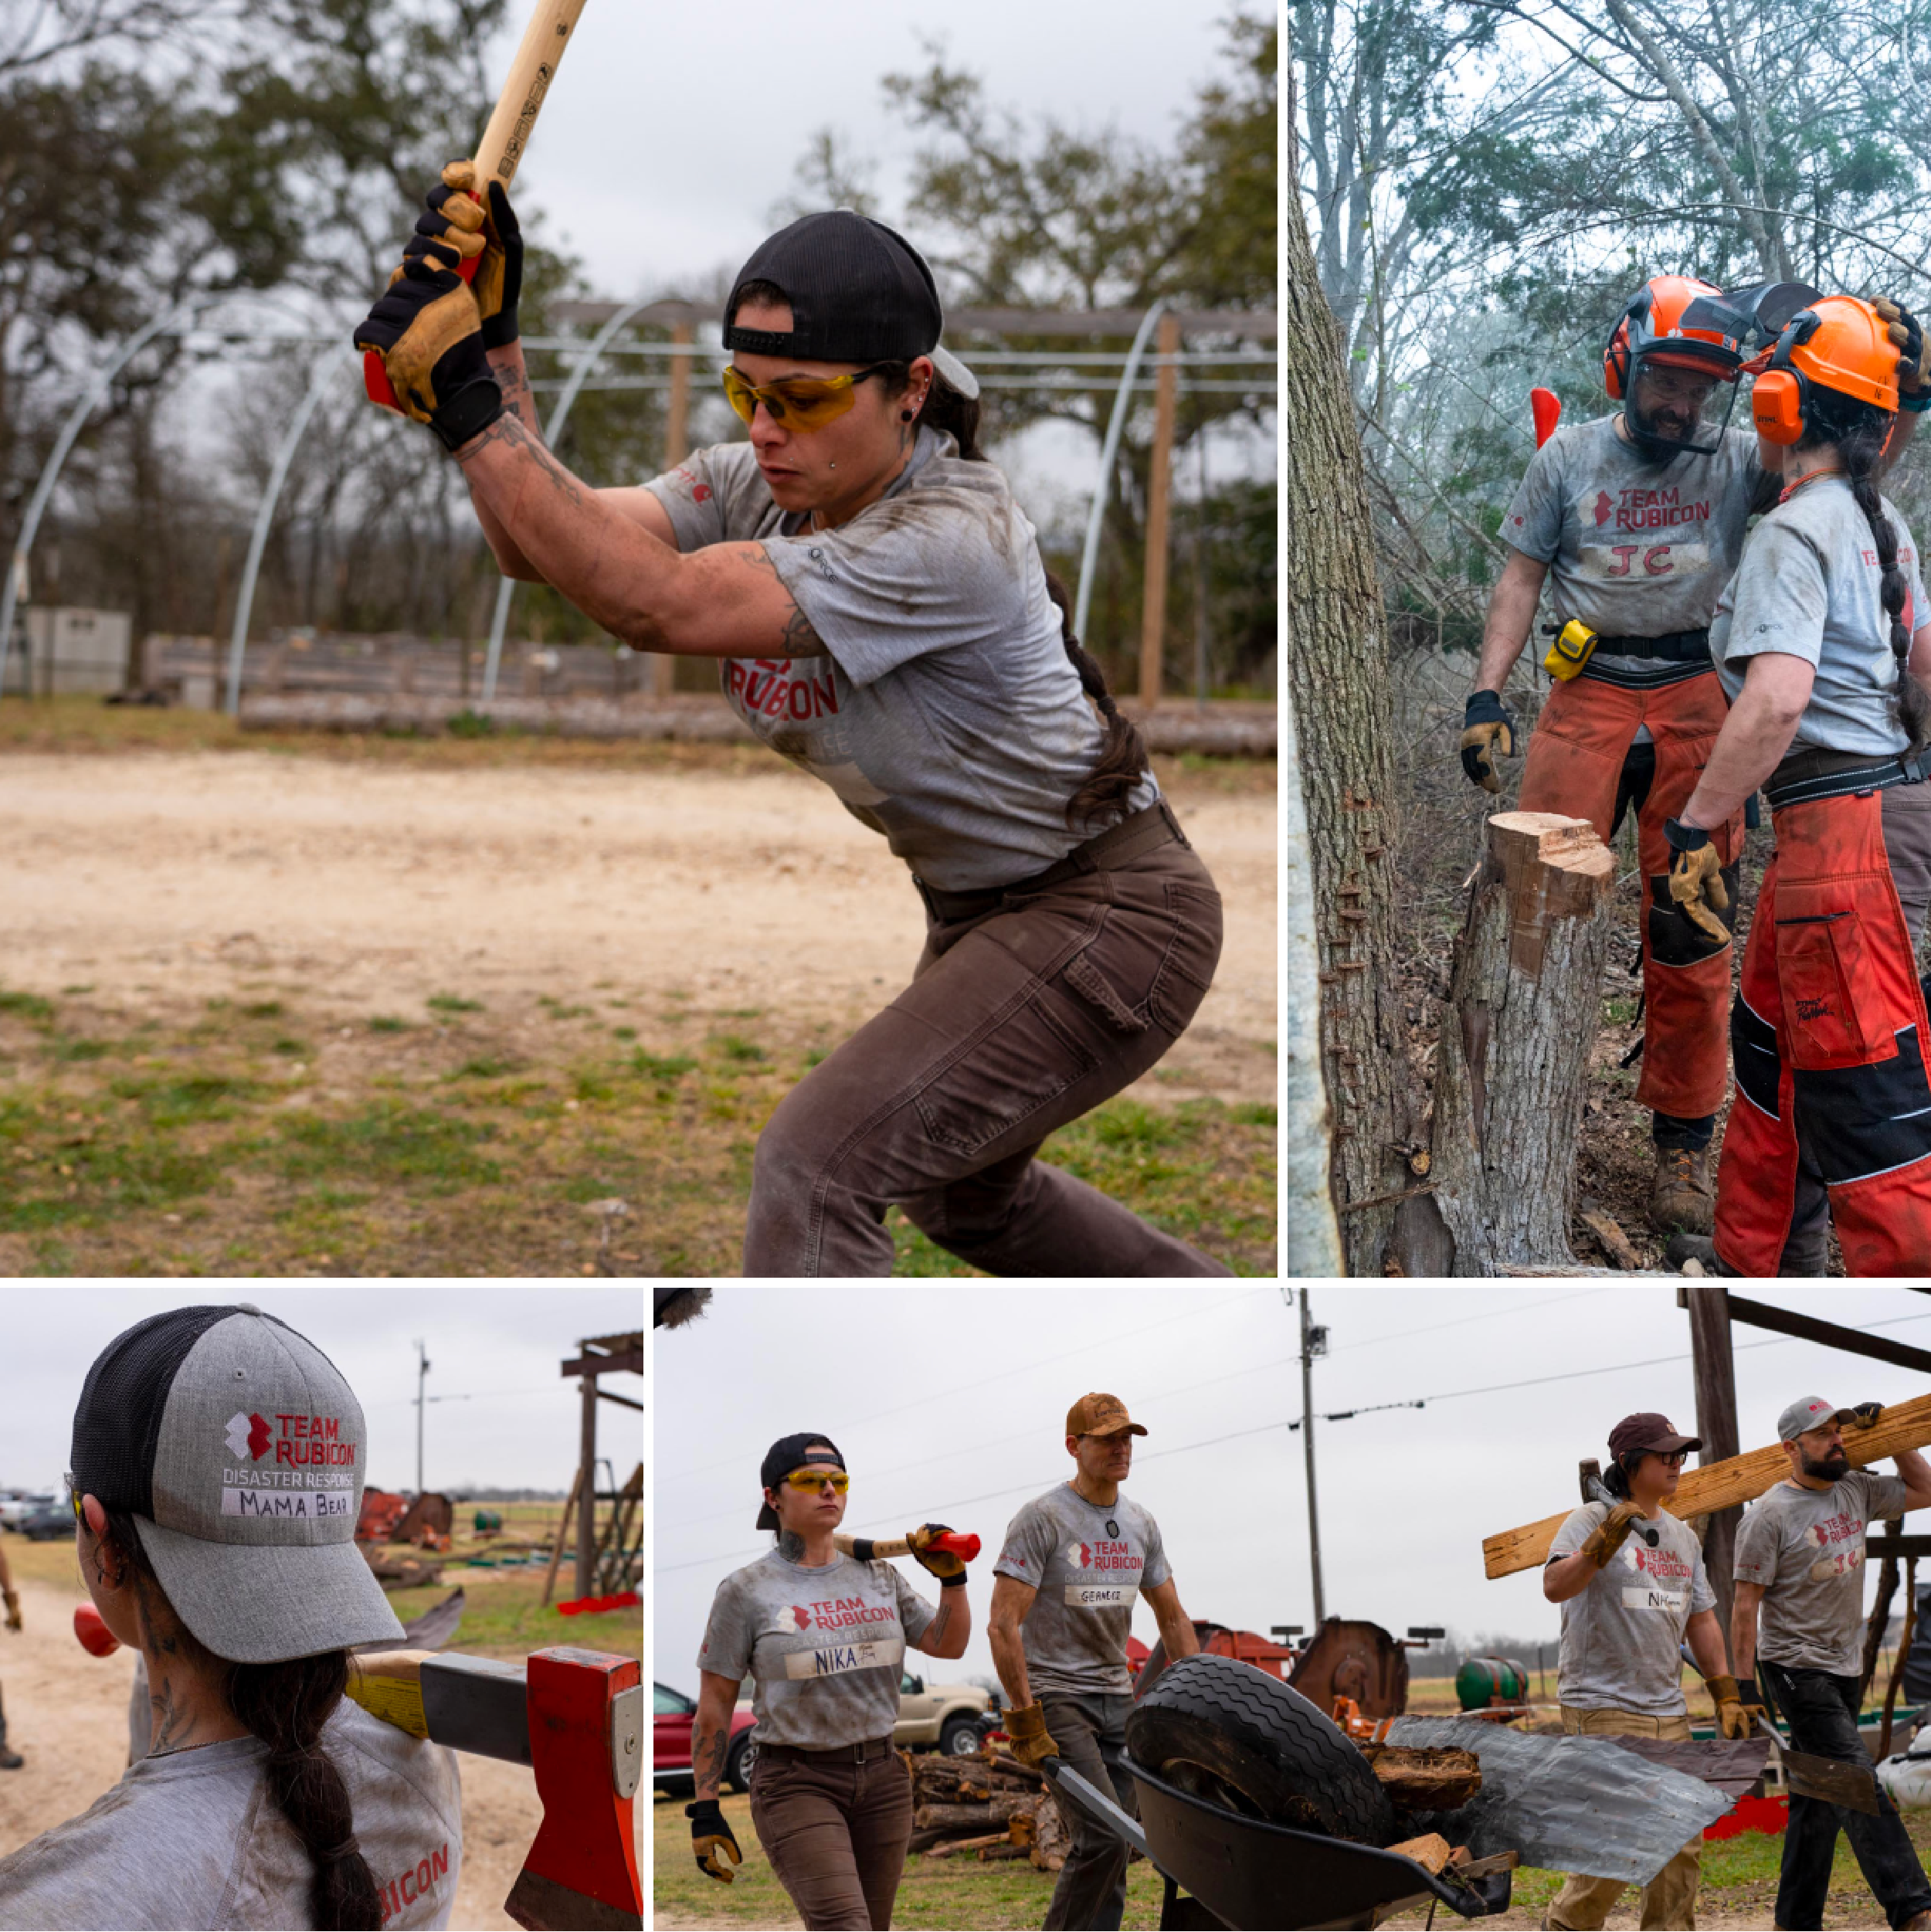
673 1713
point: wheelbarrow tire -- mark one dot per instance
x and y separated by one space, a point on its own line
1216 1720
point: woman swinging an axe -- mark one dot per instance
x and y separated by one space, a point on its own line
824 1632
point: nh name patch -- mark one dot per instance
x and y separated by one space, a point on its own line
834 1660
288 1505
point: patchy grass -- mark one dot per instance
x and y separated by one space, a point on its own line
196 1142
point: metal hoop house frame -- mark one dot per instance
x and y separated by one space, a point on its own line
610 319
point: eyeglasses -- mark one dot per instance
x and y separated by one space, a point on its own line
1675 1459
810 1479
800 402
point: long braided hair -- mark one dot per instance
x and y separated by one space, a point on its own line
286 1705
1857 431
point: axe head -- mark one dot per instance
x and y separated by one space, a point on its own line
586 1746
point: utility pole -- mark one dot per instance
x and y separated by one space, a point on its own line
422 1369
1314 1341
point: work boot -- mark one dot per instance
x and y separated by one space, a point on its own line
1681 1197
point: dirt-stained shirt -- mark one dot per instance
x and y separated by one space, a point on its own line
947 716
1635 549
194 1839
1806 1547
1809 586
826 1646
1622 1636
1087 1561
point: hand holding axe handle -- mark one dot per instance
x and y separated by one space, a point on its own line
954 1542
1599 1492
501 154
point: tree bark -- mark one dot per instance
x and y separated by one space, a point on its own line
1338 681
1512 1069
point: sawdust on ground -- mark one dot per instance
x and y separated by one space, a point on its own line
67 1716
163 881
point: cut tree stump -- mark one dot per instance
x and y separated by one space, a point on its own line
1512 1069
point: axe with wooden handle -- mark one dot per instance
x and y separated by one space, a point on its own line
500 152
953 1542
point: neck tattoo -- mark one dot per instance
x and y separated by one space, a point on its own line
791 1546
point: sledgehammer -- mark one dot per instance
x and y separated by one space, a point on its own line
953 1542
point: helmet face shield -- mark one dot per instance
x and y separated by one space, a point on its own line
1678 404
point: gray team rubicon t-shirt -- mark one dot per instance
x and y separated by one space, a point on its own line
1809 586
1635 549
194 1839
1088 1562
947 716
1622 1637
1806 1547
826 1646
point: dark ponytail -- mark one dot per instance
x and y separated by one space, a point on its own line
1101 800
1858 431
286 1705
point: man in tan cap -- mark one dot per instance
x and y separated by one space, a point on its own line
1063 1591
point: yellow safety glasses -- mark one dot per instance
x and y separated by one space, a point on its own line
799 402
809 1479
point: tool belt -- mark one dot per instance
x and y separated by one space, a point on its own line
1675 655
1152 825
857 1753
1802 777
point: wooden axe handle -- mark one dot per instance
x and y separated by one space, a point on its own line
954 1542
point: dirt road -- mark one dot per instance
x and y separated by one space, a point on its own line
67 1716
163 879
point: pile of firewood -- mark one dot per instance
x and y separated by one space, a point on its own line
990 1806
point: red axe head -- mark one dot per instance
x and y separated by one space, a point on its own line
92 1631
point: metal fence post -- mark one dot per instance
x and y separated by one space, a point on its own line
265 518
57 457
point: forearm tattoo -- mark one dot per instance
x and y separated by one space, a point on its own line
941 1623
797 637
707 1761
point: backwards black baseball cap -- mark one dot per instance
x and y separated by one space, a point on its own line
791 1453
859 292
239 1449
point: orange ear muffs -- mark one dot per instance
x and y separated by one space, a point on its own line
1616 360
1776 404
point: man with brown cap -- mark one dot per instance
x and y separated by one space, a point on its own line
1800 1561
1628 1606
1063 1591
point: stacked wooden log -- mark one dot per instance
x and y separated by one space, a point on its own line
989 1806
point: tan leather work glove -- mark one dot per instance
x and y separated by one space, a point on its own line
1611 1534
1865 1415
1914 360
712 1839
1696 879
1488 732
1732 1719
948 1568
13 1609
1032 1743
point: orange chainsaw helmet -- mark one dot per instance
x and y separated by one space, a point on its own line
1674 323
1839 346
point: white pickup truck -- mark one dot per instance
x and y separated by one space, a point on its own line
17 1504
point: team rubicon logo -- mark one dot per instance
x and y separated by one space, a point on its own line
299 1441
796 1617
1080 1556
1603 506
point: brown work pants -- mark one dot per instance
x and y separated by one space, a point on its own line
835 1829
1669 1899
1090 1895
1018 1020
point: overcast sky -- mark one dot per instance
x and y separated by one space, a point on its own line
671 132
950 1405
500 1345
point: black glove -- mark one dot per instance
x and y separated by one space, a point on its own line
1488 731
709 1836
1863 1415
427 331
455 221
948 1568
1907 338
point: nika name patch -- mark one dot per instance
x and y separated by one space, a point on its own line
834 1660
1636 1598
1090 1596
290 1505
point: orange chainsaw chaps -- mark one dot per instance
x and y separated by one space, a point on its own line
1574 764
1827 1033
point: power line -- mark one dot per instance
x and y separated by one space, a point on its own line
1288 1426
